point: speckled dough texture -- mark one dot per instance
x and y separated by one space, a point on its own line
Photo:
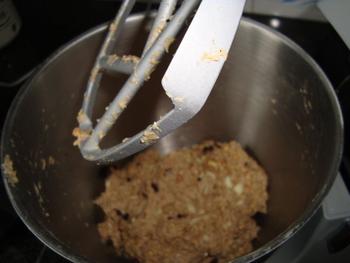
192 205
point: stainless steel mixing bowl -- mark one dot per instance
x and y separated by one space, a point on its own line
271 97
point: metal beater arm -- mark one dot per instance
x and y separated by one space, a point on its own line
162 35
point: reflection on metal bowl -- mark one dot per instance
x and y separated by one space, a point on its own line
271 97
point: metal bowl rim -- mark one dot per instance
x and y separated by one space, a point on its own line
49 240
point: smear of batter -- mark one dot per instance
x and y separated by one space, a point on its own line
215 56
10 171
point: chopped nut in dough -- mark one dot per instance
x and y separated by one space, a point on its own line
238 188
228 182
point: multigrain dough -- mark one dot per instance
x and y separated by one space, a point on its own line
193 205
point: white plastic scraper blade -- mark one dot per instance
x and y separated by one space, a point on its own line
199 59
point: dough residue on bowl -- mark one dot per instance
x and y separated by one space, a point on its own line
10 171
195 204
